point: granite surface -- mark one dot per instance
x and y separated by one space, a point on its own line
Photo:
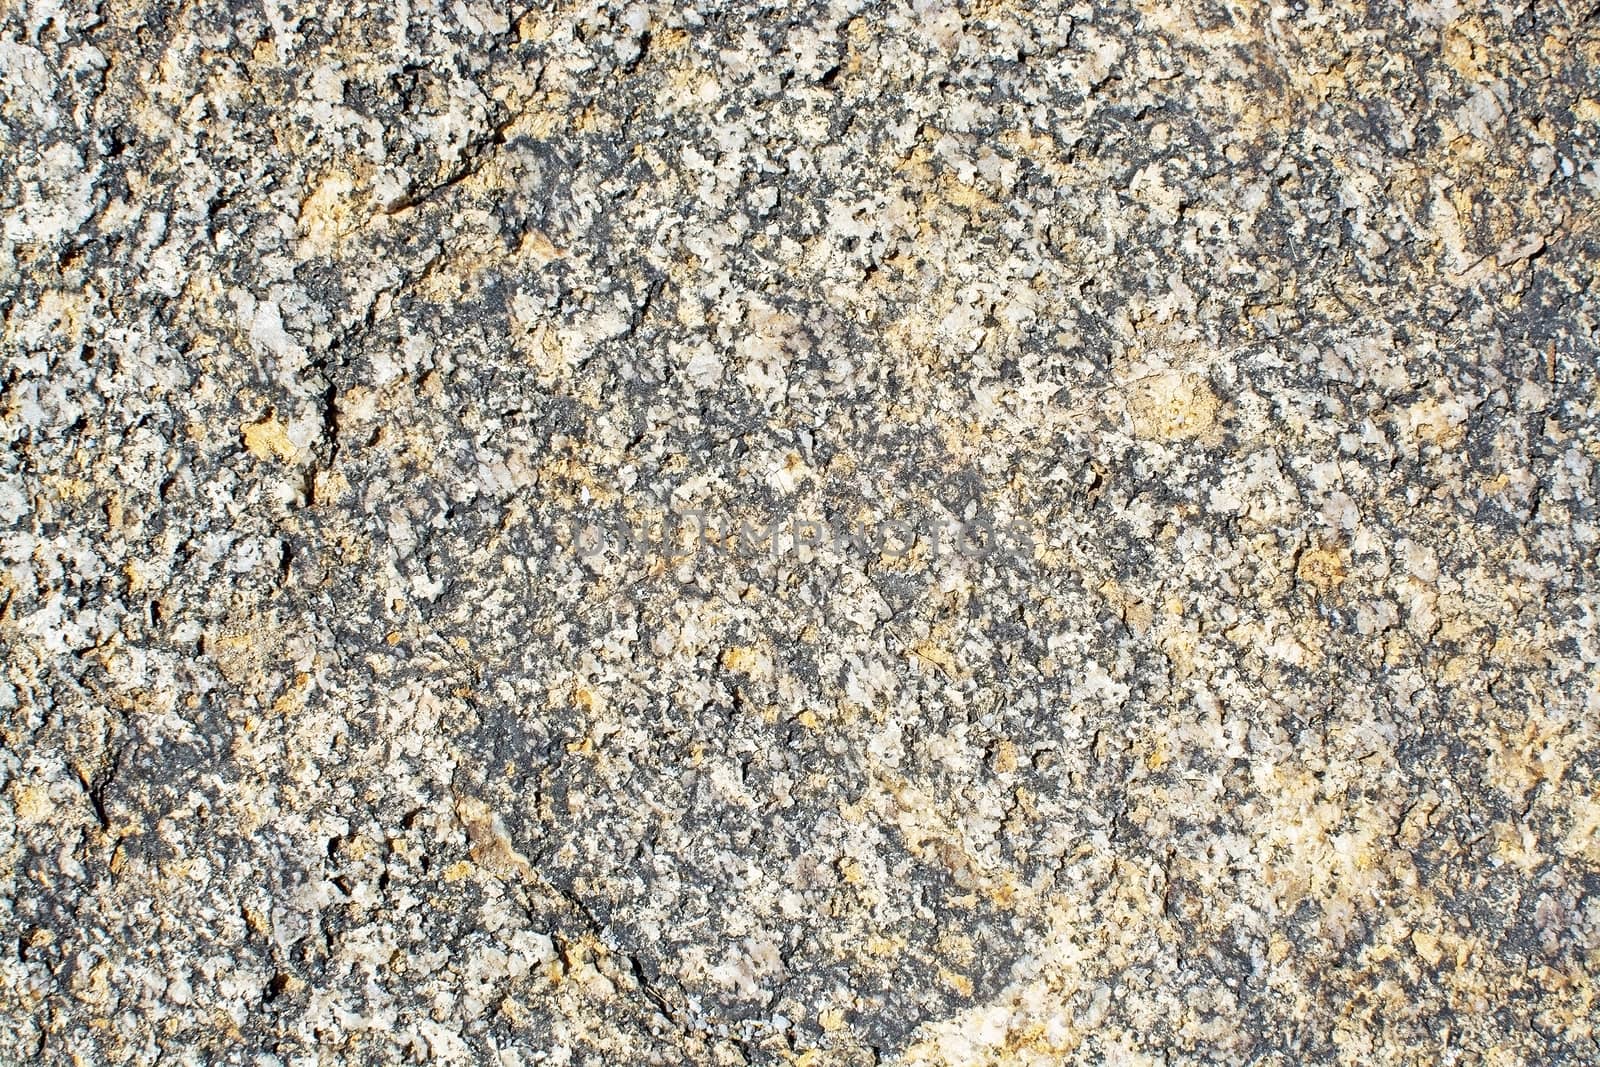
838 534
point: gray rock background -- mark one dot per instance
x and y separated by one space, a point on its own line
325 736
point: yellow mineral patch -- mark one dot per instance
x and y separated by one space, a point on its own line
239 650
70 490
1583 835
1005 757
1463 48
540 116
1437 422
878 945
329 487
32 802
328 215
65 308
539 248
491 845
938 657
1427 946
1323 568
267 439
1172 406
958 982
964 196
744 660
293 698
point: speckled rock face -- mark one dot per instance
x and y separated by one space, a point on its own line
928 534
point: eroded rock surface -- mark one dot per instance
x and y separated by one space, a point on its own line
823 535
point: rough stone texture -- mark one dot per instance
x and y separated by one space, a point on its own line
327 738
